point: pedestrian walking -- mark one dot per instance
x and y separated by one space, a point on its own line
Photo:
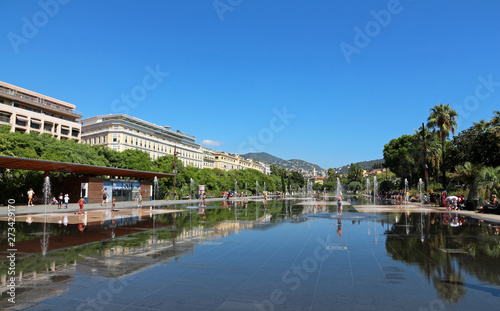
60 199
31 194
66 200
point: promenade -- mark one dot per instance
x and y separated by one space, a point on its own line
23 209
73 207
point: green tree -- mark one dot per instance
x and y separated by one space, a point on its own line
477 145
468 174
355 173
355 186
494 123
332 176
297 179
165 164
490 180
399 156
443 120
135 160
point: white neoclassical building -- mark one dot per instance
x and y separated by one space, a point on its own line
121 132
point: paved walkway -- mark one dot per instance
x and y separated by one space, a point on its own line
73 207
417 208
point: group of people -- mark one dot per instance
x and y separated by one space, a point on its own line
60 200
167 194
397 195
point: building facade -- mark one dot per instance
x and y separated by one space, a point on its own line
229 161
208 158
26 111
121 132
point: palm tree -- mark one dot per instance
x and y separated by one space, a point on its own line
443 119
490 179
428 145
495 121
469 174
482 125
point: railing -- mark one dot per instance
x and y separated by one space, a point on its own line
38 101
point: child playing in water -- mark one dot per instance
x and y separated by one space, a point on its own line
80 203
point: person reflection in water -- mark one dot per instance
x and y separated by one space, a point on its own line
339 227
81 227
82 224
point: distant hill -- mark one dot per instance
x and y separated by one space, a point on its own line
366 165
301 166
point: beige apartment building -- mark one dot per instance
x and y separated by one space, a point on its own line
26 111
121 132
208 158
228 161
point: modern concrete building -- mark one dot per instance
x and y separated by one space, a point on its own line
26 111
121 132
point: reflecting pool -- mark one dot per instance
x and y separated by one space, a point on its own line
288 254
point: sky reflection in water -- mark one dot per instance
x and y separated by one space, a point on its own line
254 256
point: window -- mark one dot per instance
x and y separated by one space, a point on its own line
115 138
21 120
5 117
47 126
35 124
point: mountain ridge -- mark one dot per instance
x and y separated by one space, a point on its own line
301 166
304 167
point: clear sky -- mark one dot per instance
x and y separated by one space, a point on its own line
329 82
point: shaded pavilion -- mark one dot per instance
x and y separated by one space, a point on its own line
90 186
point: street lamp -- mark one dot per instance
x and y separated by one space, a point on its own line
175 167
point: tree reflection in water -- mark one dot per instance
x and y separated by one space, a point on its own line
446 247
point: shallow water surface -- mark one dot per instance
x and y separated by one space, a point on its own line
282 255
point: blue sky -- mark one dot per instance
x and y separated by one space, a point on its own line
329 82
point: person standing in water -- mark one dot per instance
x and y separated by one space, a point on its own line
104 197
139 200
80 203
31 193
